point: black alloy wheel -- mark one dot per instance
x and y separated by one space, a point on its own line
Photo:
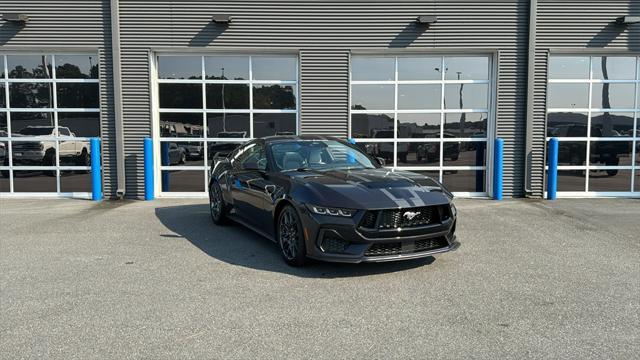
290 237
217 206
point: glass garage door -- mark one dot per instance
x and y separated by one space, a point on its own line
208 104
427 114
49 108
593 108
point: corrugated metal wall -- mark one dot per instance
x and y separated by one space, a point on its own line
324 33
63 26
324 92
586 26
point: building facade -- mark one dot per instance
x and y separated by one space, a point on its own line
429 94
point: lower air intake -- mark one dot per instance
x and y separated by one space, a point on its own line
429 244
332 243
384 249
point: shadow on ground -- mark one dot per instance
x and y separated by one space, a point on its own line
234 244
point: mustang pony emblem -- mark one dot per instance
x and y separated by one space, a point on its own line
409 215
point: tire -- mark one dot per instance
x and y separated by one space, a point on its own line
5 173
84 159
49 160
217 207
183 158
290 238
612 172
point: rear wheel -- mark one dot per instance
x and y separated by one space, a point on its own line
290 237
217 207
84 159
49 160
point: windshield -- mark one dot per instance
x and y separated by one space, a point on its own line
318 155
36 131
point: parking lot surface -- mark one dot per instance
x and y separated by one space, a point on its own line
132 279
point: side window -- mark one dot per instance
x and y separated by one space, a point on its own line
64 131
251 153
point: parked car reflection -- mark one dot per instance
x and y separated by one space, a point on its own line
222 148
42 152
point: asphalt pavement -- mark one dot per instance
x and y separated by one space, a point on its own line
157 280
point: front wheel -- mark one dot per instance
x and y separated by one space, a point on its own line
217 207
290 237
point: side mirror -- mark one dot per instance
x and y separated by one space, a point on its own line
381 161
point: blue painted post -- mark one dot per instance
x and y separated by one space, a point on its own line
96 176
552 178
351 159
498 168
148 169
164 160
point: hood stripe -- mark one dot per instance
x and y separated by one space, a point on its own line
400 202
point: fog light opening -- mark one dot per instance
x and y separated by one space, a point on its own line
333 243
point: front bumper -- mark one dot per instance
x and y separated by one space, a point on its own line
361 246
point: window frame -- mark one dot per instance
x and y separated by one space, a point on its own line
589 139
251 111
442 111
53 109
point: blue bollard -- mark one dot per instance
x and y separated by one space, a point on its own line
164 160
351 158
148 169
498 166
552 178
96 176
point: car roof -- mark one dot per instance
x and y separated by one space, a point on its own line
291 138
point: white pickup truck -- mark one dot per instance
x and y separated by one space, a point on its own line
36 152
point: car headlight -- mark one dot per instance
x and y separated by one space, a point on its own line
322 210
454 211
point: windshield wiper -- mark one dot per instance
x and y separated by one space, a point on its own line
303 169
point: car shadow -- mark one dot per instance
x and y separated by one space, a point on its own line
237 245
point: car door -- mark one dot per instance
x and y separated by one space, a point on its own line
248 182
66 146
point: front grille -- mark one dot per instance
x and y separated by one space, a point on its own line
384 249
26 146
369 220
429 244
406 218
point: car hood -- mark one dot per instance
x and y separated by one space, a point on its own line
371 188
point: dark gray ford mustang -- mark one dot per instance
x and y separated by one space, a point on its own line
323 198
